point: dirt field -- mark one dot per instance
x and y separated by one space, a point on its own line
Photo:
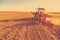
26 28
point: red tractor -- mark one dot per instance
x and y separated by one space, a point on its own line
41 16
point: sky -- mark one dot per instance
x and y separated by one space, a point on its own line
29 5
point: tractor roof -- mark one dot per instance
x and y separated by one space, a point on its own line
41 9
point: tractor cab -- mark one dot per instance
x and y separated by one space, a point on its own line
39 14
41 10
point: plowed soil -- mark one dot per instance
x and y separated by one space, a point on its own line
27 29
